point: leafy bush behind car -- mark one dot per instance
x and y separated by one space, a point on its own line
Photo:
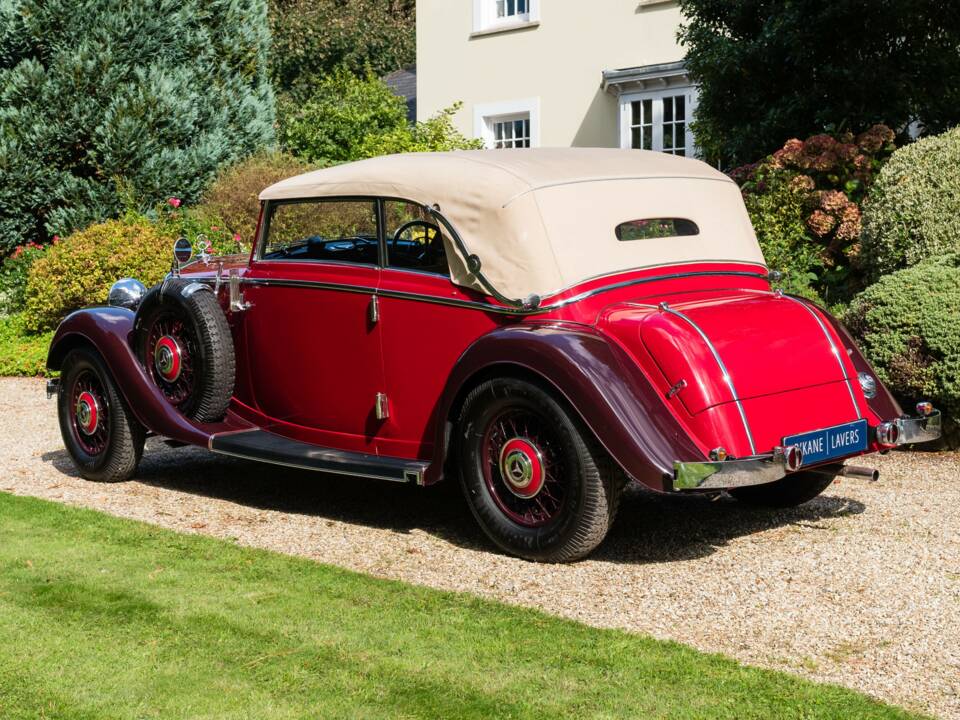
350 117
234 195
80 269
913 211
102 99
908 325
804 201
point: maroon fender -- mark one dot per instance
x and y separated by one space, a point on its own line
598 379
108 330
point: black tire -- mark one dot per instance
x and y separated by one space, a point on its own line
110 449
790 491
579 485
190 317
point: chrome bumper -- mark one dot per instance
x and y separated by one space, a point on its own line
728 473
919 429
722 475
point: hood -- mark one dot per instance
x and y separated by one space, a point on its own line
738 346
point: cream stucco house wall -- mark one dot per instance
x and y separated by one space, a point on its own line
604 73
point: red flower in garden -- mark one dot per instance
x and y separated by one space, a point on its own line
56 239
236 238
214 228
174 202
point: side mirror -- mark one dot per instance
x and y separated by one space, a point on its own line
182 252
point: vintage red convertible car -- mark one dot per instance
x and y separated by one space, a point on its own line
545 325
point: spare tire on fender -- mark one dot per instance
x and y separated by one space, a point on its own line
185 344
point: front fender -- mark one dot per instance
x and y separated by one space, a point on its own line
599 380
108 331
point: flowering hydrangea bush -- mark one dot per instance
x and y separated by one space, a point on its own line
827 177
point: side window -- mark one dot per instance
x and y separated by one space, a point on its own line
339 230
414 241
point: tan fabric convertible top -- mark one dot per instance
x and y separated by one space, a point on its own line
542 220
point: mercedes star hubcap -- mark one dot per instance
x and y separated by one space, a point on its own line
521 467
88 413
167 358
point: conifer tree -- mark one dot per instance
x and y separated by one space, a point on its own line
107 104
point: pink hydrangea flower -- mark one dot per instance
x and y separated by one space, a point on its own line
821 223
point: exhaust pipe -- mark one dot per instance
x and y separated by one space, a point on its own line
870 474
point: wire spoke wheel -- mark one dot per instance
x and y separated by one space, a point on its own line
533 476
90 419
524 469
173 347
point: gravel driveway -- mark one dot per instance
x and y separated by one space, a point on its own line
860 587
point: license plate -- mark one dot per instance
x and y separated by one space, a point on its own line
829 443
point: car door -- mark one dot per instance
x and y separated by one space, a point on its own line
426 323
313 350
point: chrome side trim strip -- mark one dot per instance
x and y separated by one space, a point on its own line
723 369
834 349
486 307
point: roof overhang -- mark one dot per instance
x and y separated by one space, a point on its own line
646 77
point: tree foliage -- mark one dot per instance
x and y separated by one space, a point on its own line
350 117
312 38
107 101
770 70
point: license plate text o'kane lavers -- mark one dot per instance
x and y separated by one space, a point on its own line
830 443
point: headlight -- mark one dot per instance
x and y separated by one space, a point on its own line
868 384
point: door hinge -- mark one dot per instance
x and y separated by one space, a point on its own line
374 310
382 406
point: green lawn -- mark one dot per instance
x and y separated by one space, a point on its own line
107 618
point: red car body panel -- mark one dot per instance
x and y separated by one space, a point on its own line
312 357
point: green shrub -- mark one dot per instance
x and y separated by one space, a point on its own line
341 113
80 269
913 210
13 277
434 135
778 217
234 195
102 95
20 352
908 324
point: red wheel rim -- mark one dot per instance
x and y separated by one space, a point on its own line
89 413
171 347
523 468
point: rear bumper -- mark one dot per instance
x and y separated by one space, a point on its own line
761 469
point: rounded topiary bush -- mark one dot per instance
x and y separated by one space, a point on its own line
80 269
234 195
908 324
913 209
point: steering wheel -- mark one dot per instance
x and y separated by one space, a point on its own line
430 231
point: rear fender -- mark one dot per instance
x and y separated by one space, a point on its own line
108 330
598 380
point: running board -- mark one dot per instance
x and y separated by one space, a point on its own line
268 447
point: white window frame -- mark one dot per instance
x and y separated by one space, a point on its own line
484 116
626 100
485 15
